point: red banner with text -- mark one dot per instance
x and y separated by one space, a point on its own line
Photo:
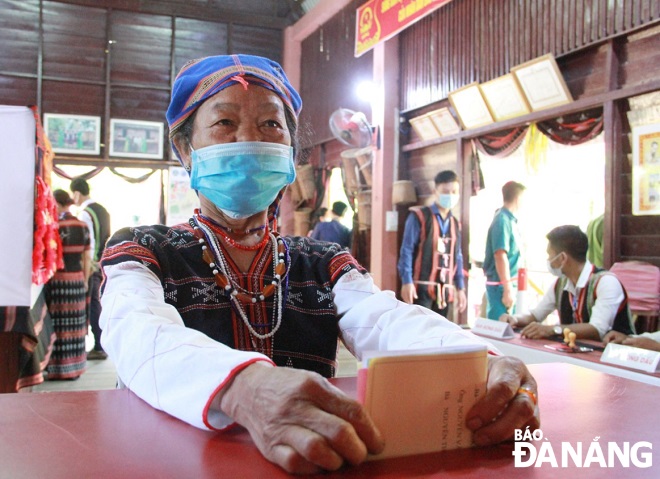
378 20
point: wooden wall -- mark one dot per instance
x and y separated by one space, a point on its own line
54 54
330 73
606 49
606 52
472 40
636 237
117 59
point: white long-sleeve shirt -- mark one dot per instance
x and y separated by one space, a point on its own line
609 295
86 218
182 371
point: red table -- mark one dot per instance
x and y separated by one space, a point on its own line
533 351
114 434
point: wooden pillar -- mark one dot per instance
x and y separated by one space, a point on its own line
614 157
10 344
384 253
464 172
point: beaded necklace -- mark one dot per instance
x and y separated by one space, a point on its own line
216 260
214 224
223 231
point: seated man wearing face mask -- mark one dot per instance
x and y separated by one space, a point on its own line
590 301
430 260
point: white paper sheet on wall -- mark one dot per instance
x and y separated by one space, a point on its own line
181 200
17 143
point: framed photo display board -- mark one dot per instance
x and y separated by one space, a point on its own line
470 106
542 83
136 139
646 170
504 97
74 134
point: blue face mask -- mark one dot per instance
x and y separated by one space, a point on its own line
448 201
242 178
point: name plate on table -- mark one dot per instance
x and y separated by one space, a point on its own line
494 329
636 358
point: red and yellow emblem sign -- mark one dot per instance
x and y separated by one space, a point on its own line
378 20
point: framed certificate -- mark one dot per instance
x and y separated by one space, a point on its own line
470 106
444 122
504 97
646 170
542 83
424 127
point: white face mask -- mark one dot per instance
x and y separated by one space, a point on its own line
554 271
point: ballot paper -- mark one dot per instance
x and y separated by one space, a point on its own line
419 399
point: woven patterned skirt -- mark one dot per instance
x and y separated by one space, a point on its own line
65 296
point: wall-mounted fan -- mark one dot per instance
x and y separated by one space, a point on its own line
351 128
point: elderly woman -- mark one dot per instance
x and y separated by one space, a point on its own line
197 316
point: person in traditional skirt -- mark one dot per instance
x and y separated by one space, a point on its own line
222 320
66 294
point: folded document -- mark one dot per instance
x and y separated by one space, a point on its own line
418 399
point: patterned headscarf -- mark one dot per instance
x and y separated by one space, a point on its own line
200 79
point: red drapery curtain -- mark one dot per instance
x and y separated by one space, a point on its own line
501 143
573 129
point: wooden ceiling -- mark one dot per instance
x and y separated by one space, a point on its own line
259 13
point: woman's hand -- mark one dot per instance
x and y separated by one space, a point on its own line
505 407
300 421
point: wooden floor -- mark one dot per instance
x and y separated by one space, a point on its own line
101 375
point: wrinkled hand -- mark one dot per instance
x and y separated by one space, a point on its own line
537 331
502 410
461 300
300 421
642 342
508 298
408 293
614 337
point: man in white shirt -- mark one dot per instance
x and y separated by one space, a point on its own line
590 301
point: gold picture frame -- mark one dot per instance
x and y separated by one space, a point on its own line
646 170
424 127
504 97
542 83
444 122
470 106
